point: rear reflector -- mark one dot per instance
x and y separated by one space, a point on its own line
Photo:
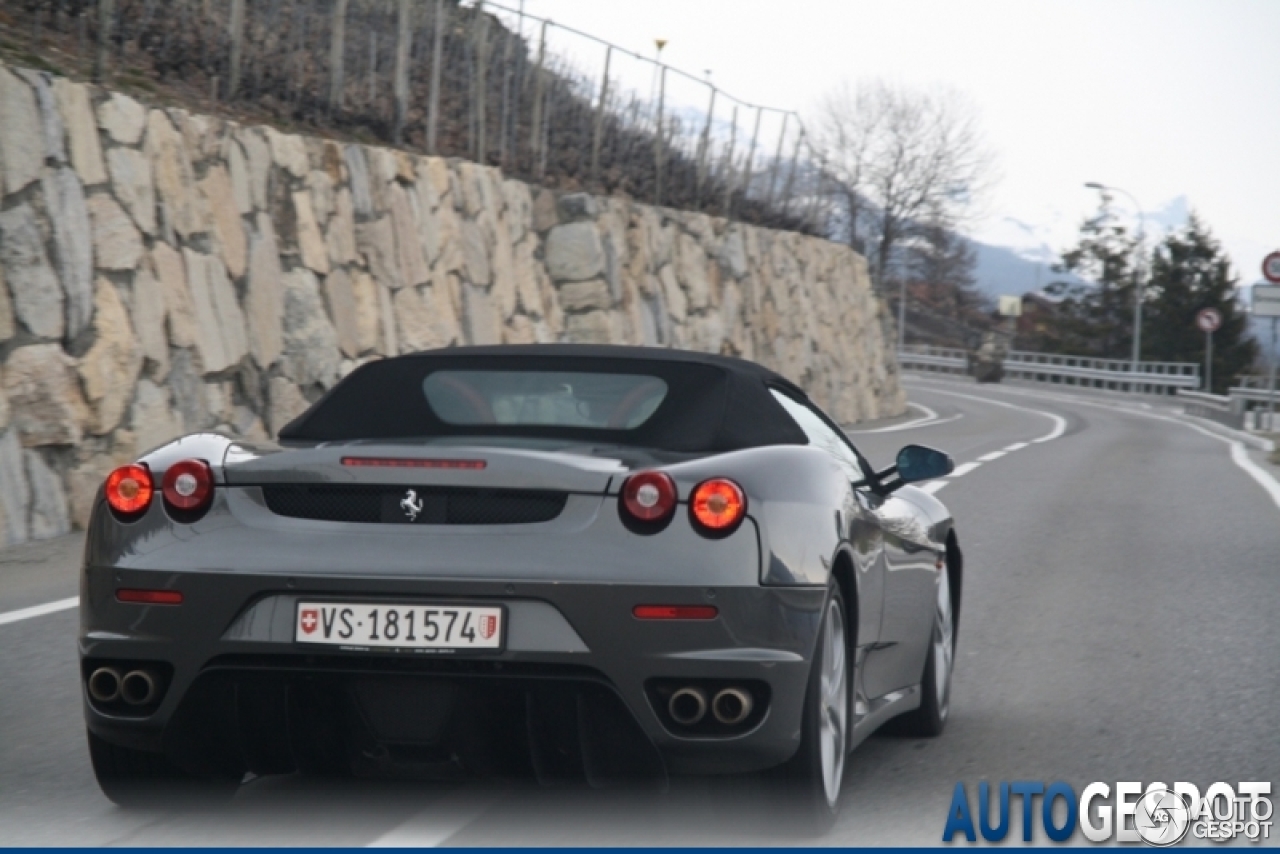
150 597
675 612
398 463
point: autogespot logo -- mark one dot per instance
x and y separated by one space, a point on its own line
1158 815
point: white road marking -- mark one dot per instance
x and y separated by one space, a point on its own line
991 457
442 819
1059 423
929 420
1016 446
38 610
1239 455
961 471
933 486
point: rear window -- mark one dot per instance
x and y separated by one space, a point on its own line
600 401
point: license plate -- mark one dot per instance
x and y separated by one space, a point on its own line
408 627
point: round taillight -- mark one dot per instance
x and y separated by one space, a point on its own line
649 496
717 506
129 489
188 485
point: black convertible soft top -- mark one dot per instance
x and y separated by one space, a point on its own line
713 404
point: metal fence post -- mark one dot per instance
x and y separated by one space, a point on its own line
235 29
535 129
777 159
106 14
728 171
504 121
598 135
337 54
704 144
401 85
437 57
481 54
373 66
791 173
749 168
658 133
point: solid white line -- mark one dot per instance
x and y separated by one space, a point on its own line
38 610
991 457
442 819
933 486
963 470
930 419
1059 423
1016 446
1239 456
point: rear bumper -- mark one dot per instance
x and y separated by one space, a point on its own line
235 625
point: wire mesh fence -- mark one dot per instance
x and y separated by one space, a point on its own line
479 80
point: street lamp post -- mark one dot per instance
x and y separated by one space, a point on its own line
1134 361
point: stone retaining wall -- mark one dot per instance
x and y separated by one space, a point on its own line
162 272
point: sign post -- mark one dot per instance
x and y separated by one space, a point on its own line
1208 320
1266 303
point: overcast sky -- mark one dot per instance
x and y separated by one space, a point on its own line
1165 98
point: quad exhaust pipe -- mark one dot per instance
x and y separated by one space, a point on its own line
731 706
104 685
687 706
136 687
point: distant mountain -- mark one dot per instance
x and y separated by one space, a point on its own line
1002 271
1015 256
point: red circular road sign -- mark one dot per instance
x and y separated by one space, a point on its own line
1208 319
1271 268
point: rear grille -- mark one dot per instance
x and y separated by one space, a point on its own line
437 505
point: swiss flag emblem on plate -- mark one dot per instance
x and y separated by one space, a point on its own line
488 625
309 619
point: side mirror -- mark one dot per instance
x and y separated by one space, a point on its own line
916 463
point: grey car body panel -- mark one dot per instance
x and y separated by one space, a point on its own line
569 584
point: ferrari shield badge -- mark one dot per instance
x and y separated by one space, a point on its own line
411 504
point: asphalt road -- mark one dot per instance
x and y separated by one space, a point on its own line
1119 623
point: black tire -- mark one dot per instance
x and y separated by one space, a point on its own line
929 720
137 779
810 796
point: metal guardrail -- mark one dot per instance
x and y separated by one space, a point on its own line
1158 377
1224 409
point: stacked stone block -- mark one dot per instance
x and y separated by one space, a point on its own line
164 273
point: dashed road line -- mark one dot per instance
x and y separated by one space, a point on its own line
1239 455
1059 427
38 610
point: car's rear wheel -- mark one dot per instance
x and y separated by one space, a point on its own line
935 684
815 774
139 779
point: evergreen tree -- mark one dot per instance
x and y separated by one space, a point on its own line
1189 272
1094 318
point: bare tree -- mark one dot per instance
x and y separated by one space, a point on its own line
901 158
